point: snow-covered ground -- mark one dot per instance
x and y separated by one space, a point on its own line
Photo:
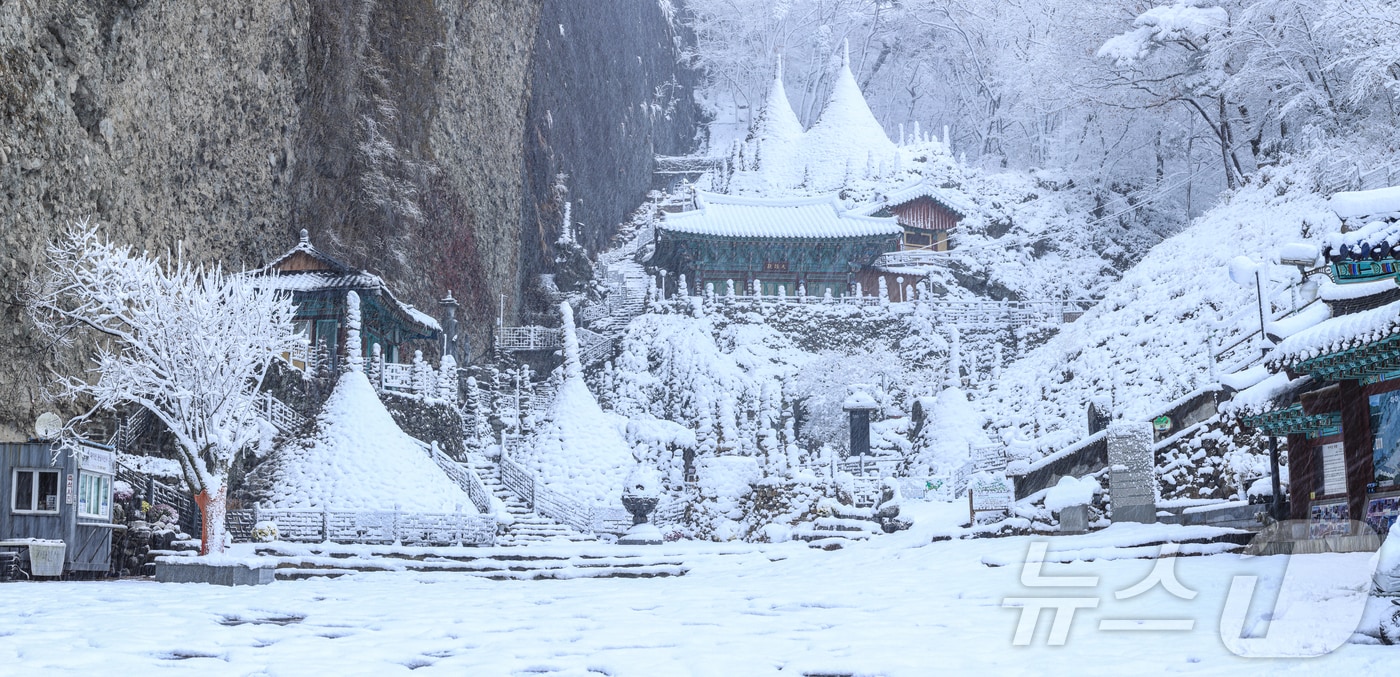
887 607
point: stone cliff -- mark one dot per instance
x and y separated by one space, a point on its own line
395 131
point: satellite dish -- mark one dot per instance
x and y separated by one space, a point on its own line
47 426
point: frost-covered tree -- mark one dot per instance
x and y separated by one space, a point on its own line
188 343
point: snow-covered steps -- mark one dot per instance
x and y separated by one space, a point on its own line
829 532
1128 541
295 562
557 561
526 526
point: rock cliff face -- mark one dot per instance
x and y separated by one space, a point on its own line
392 130
610 93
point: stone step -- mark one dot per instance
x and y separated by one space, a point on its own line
501 566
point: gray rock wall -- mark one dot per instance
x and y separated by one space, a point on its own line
392 130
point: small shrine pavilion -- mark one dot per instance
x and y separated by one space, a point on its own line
318 284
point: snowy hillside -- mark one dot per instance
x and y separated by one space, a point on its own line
1149 340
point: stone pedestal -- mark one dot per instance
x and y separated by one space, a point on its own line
1132 481
215 574
1074 519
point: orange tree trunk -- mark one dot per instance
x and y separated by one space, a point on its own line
212 512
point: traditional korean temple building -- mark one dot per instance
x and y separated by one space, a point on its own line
318 284
785 246
1335 386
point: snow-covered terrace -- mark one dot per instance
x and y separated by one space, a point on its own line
747 217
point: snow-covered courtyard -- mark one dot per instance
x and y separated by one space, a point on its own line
887 607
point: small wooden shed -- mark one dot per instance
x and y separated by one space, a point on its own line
52 494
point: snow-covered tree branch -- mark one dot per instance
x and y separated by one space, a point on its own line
187 343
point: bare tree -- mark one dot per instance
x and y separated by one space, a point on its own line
189 344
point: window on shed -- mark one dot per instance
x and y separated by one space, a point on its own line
35 491
94 496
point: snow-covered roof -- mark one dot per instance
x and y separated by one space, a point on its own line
1337 334
1378 203
809 217
1265 395
913 192
304 268
1372 235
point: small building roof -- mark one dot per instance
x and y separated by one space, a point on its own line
913 192
749 217
304 268
1378 203
1335 335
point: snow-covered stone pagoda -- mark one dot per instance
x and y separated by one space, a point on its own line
784 246
318 284
1334 388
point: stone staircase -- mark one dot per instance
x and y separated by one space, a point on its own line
846 523
527 527
304 561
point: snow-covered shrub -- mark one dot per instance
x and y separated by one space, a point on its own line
265 532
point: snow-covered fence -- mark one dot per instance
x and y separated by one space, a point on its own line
593 347
373 527
511 339
989 458
1343 175
559 506
670 510
464 477
959 312
871 466
950 485
395 376
282 417
130 428
156 492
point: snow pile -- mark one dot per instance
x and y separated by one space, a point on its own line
1071 492
777 134
579 450
953 428
359 459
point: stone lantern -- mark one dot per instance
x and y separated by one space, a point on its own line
859 404
639 497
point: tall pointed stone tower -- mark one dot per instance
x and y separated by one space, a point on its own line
846 137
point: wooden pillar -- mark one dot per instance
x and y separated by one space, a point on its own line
1302 474
1356 444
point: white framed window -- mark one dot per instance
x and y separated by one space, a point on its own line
35 490
94 496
